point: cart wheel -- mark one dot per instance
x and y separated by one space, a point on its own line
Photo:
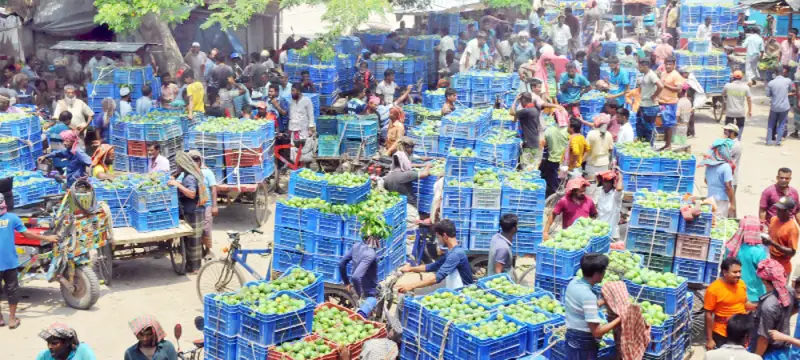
103 263
261 203
219 276
717 108
339 296
84 291
177 255
480 266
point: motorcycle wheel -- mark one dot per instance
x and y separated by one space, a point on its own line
85 289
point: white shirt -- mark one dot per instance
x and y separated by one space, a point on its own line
94 64
533 20
625 134
283 58
704 32
603 6
608 205
447 43
473 52
600 147
160 164
301 114
79 110
561 35
124 108
736 156
386 91
546 49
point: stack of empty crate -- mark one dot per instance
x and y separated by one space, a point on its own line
323 73
236 157
482 88
132 135
423 48
358 135
106 82
348 49
693 247
20 141
372 39
528 205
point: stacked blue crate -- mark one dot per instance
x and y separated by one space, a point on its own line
22 141
528 205
358 134
691 16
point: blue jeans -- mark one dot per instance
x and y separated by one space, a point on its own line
367 306
776 126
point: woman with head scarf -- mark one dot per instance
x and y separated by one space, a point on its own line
77 159
103 162
102 121
719 177
746 246
193 199
397 128
152 344
63 344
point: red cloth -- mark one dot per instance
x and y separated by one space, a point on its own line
559 65
772 271
749 233
634 331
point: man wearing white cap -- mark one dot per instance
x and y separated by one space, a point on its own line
81 113
125 101
267 60
196 60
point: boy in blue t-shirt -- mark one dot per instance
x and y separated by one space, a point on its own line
9 223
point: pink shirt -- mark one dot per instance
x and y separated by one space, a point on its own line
770 197
571 211
662 52
788 52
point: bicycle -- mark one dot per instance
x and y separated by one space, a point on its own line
222 275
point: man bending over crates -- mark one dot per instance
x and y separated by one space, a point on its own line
364 281
453 267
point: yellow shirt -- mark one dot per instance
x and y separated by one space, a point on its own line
725 300
394 133
674 79
577 148
99 169
198 95
672 18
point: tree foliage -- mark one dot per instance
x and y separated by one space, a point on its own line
523 5
124 16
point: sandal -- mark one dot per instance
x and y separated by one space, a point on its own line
2 323
12 327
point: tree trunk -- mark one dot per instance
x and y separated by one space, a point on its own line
154 30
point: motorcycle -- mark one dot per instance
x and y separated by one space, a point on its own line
195 353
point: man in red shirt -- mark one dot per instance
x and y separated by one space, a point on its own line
771 195
573 206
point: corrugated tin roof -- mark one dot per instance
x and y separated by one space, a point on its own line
121 47
771 5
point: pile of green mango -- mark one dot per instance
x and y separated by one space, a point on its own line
658 200
501 136
526 313
486 179
230 125
504 286
304 349
637 150
349 332
493 329
481 296
680 155
466 152
723 229
645 276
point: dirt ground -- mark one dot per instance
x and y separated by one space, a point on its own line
148 286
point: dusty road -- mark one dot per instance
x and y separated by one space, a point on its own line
148 286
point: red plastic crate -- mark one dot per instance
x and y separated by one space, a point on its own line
244 158
273 354
137 148
692 247
355 348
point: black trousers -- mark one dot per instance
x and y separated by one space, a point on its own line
549 172
719 339
8 278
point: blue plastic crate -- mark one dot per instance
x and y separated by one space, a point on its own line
306 188
413 348
600 244
284 259
506 347
537 338
328 247
524 199
293 239
456 197
481 83
650 241
446 142
461 82
248 350
297 218
640 182
485 220
700 226
525 243
221 317
155 220
120 217
330 225
711 272
436 331
138 164
314 291
667 220
162 132
248 175
357 129
639 165
396 214
559 263
144 201
676 184
121 162
660 338
244 140
205 140
715 250
701 47
219 346
348 195
671 299
363 148
328 267
678 167
692 270
461 168
480 240
498 154
556 286
274 329
138 76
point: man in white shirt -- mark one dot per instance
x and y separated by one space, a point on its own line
196 60
98 61
561 37
603 6
386 88
535 21
473 53
301 115
125 101
156 161
81 113
704 30
447 43
625 134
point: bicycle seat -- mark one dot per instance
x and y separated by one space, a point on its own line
198 343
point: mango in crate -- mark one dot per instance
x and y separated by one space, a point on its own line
503 285
326 318
278 305
350 332
304 350
645 276
548 304
465 313
524 312
482 296
493 329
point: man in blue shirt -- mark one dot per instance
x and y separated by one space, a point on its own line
365 273
581 309
719 177
77 159
500 254
619 81
9 262
453 267
572 86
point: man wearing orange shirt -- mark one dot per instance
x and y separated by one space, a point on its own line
783 234
725 297
668 98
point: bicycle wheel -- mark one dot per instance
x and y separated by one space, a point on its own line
217 277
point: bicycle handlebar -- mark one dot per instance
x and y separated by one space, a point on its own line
235 234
